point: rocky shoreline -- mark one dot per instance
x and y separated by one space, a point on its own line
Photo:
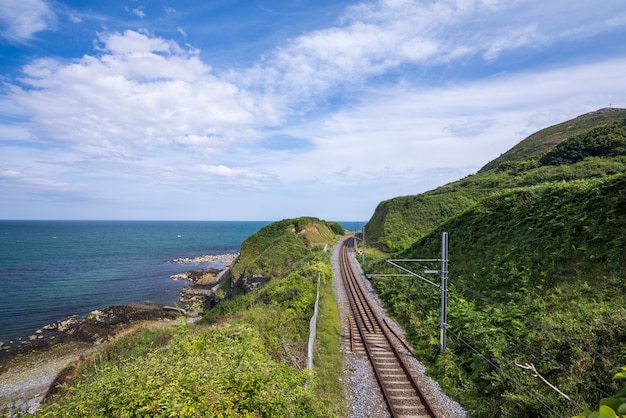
226 259
94 329
101 323
28 365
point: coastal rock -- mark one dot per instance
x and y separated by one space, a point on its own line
66 325
203 277
251 283
217 258
180 276
96 326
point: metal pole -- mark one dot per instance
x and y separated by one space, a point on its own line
363 253
444 289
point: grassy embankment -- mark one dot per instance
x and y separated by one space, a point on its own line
247 356
537 272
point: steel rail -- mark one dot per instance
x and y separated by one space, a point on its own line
377 342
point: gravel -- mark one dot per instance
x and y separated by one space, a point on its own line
363 396
24 381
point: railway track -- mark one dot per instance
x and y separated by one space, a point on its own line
398 385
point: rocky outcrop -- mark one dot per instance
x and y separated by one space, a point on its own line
253 282
204 293
98 326
203 277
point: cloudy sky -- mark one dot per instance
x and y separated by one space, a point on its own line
271 109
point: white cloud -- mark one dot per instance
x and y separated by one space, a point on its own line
471 127
139 13
516 38
375 38
400 136
20 20
141 93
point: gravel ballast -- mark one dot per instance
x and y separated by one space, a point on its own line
363 395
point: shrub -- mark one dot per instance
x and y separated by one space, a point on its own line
604 141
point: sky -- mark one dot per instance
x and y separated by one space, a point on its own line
266 110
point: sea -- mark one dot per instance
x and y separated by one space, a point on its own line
50 270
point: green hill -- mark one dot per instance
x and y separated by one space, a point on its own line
283 246
398 222
537 273
533 147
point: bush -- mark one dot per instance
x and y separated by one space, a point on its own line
224 371
604 141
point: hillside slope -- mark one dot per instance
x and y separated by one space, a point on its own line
398 222
537 275
283 246
538 143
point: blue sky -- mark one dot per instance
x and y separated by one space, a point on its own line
264 110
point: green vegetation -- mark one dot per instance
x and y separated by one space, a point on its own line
246 358
533 147
398 222
282 246
613 406
593 146
603 141
537 274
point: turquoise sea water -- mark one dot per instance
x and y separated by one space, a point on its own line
52 269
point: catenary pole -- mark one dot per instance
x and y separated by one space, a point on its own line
363 252
444 290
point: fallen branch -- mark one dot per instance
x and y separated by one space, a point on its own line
531 367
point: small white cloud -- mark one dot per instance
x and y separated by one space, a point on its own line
74 18
21 20
139 13
512 39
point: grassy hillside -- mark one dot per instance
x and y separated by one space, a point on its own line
537 276
537 144
398 222
246 358
283 246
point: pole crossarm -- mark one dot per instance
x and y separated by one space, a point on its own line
390 275
416 259
412 273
